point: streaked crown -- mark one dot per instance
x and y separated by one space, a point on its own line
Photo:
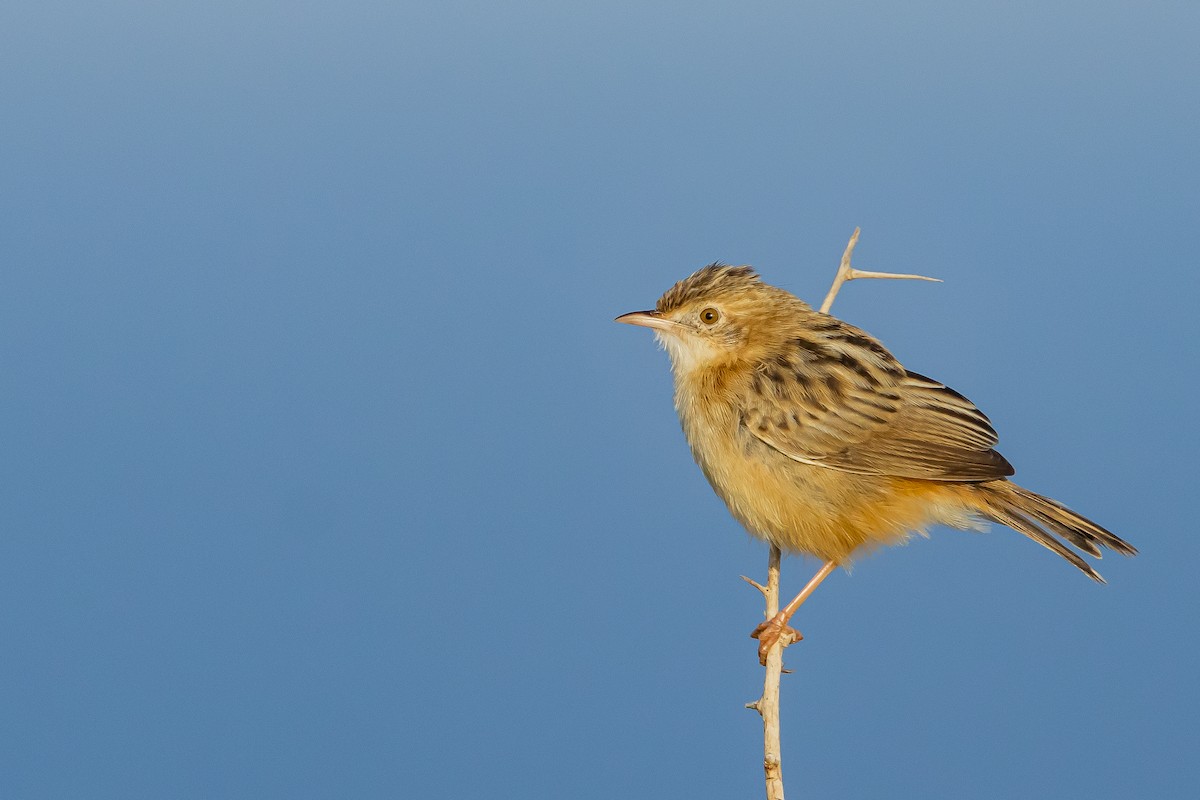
714 280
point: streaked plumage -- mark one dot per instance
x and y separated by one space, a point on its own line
820 442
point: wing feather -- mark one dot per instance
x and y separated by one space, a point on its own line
839 399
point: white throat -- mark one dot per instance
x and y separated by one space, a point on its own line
687 352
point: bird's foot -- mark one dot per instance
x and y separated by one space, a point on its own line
774 630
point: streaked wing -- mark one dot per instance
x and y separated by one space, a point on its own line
839 399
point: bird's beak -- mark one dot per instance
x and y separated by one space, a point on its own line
648 319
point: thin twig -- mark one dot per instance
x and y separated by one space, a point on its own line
756 585
768 705
847 273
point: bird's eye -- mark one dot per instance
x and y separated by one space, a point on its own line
709 316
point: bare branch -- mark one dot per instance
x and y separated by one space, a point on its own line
768 704
843 273
847 273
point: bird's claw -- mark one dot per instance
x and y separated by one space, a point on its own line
774 630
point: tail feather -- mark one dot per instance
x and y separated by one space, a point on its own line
1062 516
1062 528
1043 519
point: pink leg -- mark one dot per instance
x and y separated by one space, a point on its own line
769 632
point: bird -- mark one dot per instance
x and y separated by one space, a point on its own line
821 443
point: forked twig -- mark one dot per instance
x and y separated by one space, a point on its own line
848 273
768 704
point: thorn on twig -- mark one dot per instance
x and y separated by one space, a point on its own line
755 584
848 273
859 273
753 706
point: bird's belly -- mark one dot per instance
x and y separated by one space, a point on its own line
816 510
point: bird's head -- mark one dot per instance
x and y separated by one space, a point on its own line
718 315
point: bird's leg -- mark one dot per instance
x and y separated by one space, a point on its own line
770 631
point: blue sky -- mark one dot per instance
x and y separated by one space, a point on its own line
327 473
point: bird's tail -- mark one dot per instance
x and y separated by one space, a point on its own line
1047 522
